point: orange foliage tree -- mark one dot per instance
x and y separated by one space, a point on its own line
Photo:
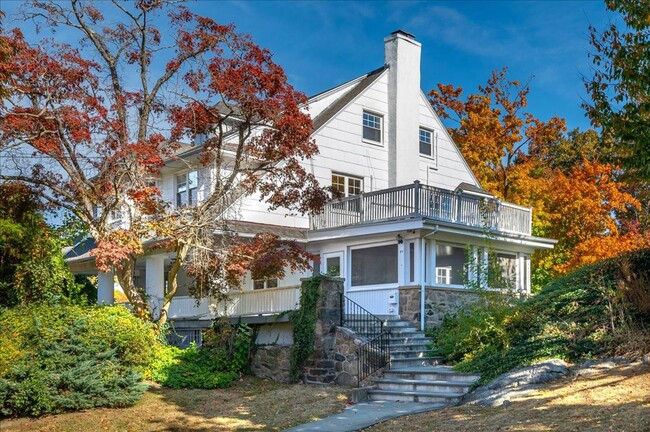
578 196
89 126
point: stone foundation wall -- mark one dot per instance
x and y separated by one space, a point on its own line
336 361
438 303
272 362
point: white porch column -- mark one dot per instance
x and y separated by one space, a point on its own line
105 288
155 281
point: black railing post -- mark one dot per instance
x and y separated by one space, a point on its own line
416 198
341 309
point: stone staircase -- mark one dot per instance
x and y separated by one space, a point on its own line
415 375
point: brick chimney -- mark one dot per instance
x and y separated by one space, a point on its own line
402 56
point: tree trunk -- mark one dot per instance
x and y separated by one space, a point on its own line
134 294
172 280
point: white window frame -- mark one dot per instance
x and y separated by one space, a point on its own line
346 183
337 254
381 127
443 272
188 189
433 141
370 287
266 283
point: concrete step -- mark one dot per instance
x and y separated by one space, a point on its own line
427 386
409 337
410 354
408 362
406 396
413 346
431 373
395 331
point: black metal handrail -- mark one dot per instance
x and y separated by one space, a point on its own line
358 319
373 355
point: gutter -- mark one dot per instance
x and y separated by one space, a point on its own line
423 263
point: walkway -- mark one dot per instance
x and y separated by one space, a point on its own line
364 415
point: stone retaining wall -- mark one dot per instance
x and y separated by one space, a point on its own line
272 362
336 361
335 348
438 303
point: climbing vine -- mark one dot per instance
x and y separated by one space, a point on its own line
304 325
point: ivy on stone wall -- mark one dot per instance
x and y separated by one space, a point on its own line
304 325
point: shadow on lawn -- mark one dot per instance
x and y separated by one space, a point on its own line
251 404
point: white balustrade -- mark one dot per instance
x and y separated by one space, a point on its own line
260 302
418 200
186 307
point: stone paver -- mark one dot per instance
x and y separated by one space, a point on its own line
364 415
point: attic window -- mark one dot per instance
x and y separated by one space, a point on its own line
372 127
426 143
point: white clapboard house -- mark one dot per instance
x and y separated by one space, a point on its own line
412 214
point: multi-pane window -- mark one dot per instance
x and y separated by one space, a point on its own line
264 283
347 185
371 127
186 188
426 143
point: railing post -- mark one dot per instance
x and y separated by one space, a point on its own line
498 215
341 309
416 200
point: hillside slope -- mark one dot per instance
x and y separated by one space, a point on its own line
596 311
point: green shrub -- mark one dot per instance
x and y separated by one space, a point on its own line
189 368
229 344
57 358
223 357
585 314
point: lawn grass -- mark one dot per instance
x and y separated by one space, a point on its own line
251 404
614 400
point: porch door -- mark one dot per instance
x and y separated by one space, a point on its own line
333 264
374 270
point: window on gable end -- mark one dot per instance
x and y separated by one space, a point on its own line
427 144
372 127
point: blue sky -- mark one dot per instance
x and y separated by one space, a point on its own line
321 44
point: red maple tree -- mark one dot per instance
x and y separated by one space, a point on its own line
90 126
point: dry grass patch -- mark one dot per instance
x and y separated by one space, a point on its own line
614 400
250 405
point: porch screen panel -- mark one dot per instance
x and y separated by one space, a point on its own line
507 271
450 265
374 265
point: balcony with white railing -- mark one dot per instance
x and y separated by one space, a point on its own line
422 201
259 302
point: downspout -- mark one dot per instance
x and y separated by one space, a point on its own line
423 263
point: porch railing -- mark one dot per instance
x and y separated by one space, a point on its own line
417 200
260 302
374 353
186 307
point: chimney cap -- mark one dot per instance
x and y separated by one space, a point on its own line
403 33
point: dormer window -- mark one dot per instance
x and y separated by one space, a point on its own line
372 127
427 147
186 188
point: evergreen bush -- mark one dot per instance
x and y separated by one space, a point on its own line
58 358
